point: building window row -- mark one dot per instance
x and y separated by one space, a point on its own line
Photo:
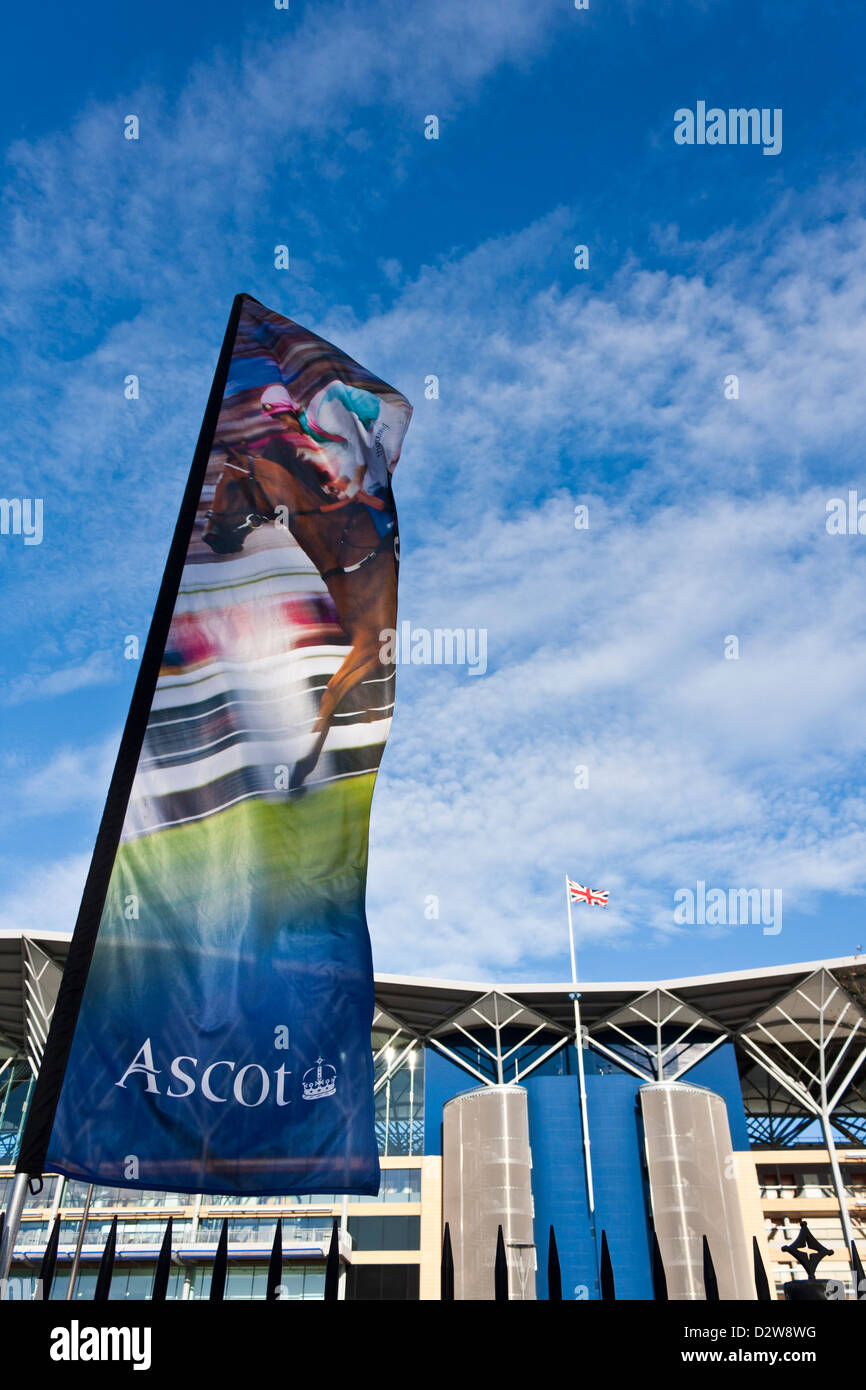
366 1232
828 1229
776 1181
135 1281
397 1185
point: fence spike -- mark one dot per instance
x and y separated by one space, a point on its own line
106 1266
275 1266
608 1283
500 1270
660 1279
554 1271
446 1273
762 1283
220 1265
49 1259
711 1283
163 1267
332 1268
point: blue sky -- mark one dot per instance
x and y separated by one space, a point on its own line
558 387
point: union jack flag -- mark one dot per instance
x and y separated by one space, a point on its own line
594 897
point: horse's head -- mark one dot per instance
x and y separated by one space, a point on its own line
233 513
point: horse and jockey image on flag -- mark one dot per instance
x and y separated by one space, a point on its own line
222 1040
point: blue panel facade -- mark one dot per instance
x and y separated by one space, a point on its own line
559 1183
442 1081
616 1154
718 1072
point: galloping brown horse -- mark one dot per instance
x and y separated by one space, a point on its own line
358 566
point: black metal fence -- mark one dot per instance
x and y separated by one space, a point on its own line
808 1289
805 1289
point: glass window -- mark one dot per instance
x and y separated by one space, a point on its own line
44 1198
401 1185
400 1108
199 1280
397 1185
240 1282
151 1232
855 1181
85 1284
32 1234
301 1281
827 1229
129 1232
250 1281
815 1183
382 1282
252 1230
16 1083
132 1282
321 1199
385 1232
243 1230
117 1198
307 1229
22 1283
325 1199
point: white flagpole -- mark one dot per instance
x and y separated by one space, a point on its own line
578 1042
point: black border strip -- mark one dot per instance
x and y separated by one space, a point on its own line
46 1094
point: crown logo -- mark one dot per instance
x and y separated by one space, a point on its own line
320 1081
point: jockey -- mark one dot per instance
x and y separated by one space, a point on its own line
297 438
302 430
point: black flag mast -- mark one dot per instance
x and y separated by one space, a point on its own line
40 1117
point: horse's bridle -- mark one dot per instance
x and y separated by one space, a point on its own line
256 518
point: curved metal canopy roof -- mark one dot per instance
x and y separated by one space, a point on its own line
731 1001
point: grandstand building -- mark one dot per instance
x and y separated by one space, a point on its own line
731 1105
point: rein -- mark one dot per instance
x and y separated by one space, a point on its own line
256 518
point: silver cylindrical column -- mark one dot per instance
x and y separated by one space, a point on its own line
486 1182
693 1190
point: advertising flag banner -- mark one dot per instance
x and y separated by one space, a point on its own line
212 1031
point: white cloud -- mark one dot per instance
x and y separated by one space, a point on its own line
735 772
95 669
48 898
72 777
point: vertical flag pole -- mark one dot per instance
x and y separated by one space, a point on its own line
344 1235
76 1258
578 1042
17 1198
